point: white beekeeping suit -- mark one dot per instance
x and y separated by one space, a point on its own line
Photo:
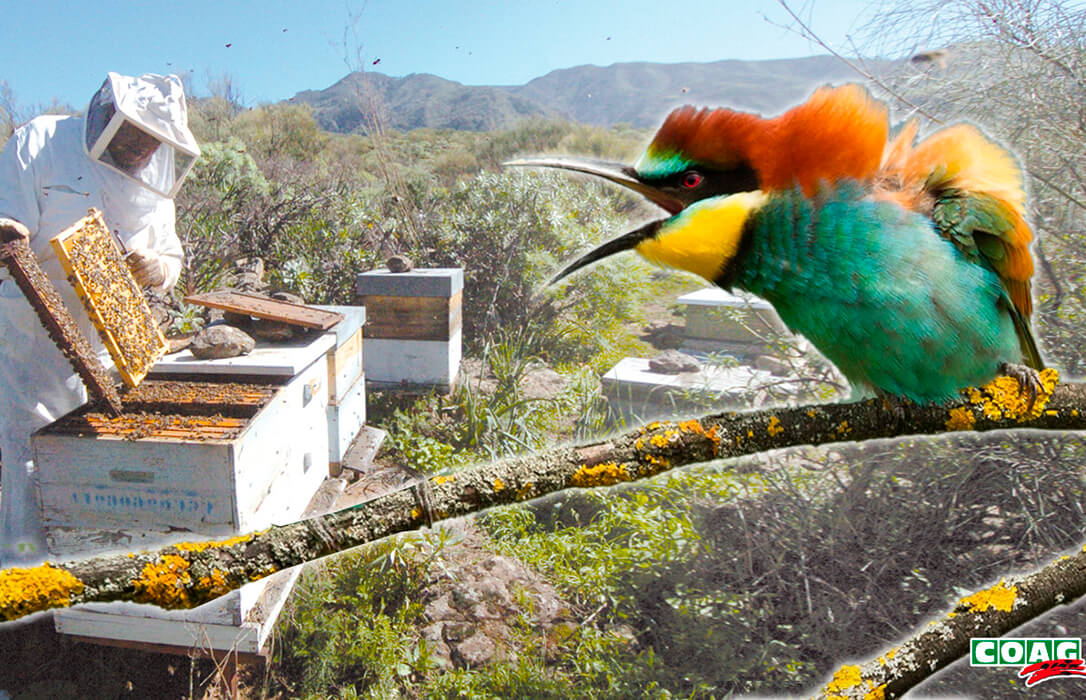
52 170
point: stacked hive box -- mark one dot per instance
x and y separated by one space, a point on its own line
719 321
346 383
413 326
253 461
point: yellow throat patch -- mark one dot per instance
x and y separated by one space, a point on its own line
703 237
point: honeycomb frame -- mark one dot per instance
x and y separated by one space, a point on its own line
112 297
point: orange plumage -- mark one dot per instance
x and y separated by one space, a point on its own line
838 133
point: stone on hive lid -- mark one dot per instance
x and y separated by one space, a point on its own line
219 341
673 362
400 263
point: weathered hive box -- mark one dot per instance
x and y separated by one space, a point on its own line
638 394
413 326
346 382
245 448
210 474
239 622
719 320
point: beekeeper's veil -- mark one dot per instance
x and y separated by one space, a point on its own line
139 127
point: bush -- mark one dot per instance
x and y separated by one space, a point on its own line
510 232
348 627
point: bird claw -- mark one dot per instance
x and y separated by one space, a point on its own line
898 406
1029 380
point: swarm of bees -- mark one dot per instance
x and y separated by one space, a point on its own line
136 426
183 394
111 296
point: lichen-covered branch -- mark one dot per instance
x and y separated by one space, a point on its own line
992 612
188 575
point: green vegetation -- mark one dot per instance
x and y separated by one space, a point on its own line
749 577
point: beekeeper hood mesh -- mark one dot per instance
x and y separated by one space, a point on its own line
139 127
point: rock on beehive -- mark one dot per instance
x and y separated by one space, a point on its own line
112 297
221 341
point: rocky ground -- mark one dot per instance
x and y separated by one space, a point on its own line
478 603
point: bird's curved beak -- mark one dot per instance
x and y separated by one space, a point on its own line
627 241
618 173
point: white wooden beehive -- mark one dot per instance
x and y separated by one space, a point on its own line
346 382
204 484
104 494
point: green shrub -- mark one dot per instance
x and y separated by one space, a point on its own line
348 627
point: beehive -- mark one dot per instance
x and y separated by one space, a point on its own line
202 448
413 326
112 297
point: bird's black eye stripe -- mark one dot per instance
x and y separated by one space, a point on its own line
709 182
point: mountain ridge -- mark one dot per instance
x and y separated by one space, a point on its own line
634 93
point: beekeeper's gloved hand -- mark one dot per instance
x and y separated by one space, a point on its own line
147 267
11 230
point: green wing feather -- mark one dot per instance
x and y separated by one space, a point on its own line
984 228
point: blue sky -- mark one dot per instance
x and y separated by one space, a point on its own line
272 49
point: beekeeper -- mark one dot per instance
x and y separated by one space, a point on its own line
126 157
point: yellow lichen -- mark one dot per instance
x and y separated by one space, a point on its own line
639 444
811 413
876 693
774 428
1004 398
416 513
961 419
498 484
659 461
164 583
695 427
843 428
214 585
845 678
26 591
1000 596
201 546
659 440
439 480
606 474
524 491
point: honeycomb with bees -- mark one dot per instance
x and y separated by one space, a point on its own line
111 295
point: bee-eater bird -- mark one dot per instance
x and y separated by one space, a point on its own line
907 265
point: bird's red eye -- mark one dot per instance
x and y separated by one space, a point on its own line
692 180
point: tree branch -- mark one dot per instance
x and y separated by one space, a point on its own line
992 612
186 575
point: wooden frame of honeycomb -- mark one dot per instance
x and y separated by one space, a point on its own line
111 295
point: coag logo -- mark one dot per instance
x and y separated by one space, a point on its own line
1039 658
